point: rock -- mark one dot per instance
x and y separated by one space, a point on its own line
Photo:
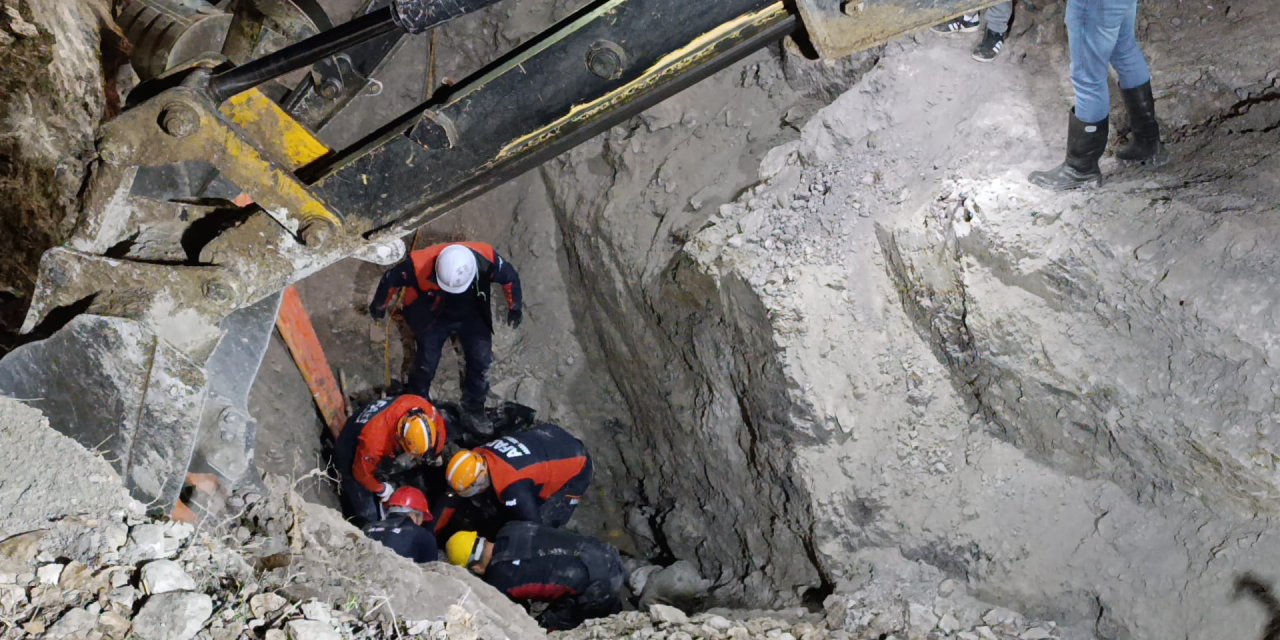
719 623
11 597
177 615
921 619
75 623
114 625
76 576
1036 633
947 587
265 604
986 633
966 635
49 574
18 551
999 616
949 623
163 576
276 634
146 542
662 613
311 630
123 598
317 611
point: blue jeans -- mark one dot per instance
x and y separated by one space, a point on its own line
1102 34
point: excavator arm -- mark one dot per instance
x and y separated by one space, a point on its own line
211 196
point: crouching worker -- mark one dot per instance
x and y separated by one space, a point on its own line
537 475
402 529
372 439
579 577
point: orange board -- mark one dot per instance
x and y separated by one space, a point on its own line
300 336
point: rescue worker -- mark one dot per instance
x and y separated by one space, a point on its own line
578 576
537 475
372 439
1103 34
446 293
402 529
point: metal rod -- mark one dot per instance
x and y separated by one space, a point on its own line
301 54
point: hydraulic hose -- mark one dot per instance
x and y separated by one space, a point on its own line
302 54
412 16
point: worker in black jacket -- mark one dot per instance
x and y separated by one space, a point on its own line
579 577
402 529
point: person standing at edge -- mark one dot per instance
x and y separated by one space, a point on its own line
1103 34
446 293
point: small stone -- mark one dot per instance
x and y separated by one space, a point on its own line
276 634
662 613
146 542
998 616
123 598
75 623
921 619
719 623
265 604
49 574
115 625
949 623
311 630
1036 633
35 628
986 633
163 576
317 611
966 635
177 615
947 587
11 597
178 530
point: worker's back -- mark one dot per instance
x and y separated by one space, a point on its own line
580 576
545 454
401 535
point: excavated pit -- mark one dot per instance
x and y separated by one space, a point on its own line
810 345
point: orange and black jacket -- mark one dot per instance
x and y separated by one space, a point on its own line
416 276
528 467
379 439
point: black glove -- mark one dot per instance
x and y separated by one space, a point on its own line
515 317
377 311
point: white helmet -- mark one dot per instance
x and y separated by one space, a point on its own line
455 268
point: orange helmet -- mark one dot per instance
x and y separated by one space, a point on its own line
467 473
422 431
410 498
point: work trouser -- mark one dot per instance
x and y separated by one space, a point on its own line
557 510
477 349
602 597
998 17
1103 34
359 505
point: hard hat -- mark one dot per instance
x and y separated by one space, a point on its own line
422 430
409 498
464 548
467 473
455 268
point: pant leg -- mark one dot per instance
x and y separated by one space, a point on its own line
557 511
1093 27
430 338
359 505
477 349
998 17
1130 64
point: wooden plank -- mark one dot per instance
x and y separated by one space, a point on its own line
299 335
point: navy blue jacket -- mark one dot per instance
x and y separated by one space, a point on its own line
404 537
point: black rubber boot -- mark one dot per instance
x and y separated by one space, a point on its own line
1085 144
1144 142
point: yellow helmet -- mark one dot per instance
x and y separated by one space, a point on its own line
461 548
467 473
421 431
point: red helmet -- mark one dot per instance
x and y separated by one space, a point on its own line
410 498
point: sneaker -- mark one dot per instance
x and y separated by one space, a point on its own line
990 47
967 23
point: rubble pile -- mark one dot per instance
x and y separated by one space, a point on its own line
101 579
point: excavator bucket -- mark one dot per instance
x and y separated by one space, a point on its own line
838 28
